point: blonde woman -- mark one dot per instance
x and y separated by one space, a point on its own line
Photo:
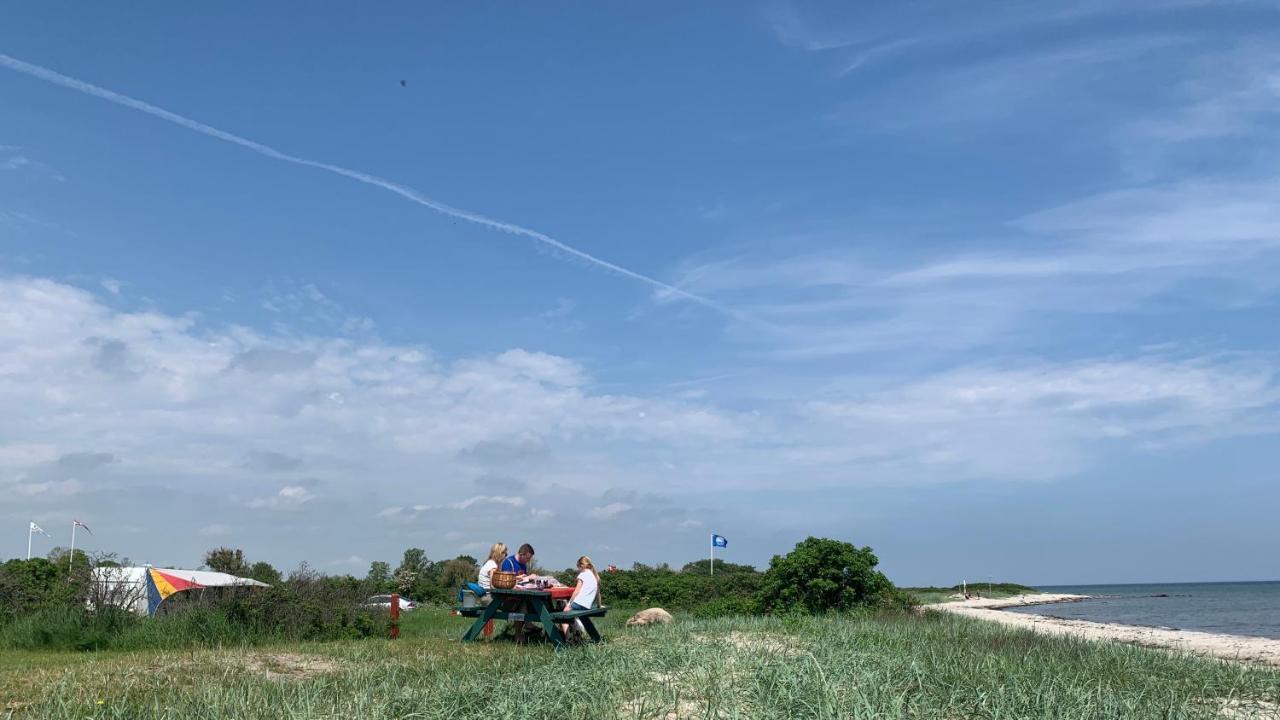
497 554
586 594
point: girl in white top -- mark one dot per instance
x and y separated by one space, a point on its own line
497 554
586 593
588 587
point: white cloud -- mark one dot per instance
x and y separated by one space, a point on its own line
22 162
478 502
488 499
49 488
289 496
184 399
604 512
1118 251
214 530
1043 420
193 423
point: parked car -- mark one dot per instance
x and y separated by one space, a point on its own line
384 601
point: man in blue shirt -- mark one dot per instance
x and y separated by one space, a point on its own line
519 563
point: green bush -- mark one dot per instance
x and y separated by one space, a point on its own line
729 607
304 607
307 606
822 575
28 585
686 589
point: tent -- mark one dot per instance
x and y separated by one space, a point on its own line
148 590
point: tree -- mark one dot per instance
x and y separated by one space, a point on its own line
58 556
413 570
27 585
457 572
227 560
703 567
379 577
822 575
264 572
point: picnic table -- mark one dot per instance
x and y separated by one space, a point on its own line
529 606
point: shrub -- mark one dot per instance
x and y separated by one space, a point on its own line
28 585
687 589
822 575
729 606
307 606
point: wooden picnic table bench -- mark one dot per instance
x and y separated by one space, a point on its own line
529 606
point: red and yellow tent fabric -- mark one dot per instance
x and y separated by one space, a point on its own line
160 585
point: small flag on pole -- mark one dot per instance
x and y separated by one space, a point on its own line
37 528
718 541
80 524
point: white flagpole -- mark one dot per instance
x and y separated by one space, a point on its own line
713 555
71 561
30 530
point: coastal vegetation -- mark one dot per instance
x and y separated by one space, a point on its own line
46 604
929 595
866 664
820 634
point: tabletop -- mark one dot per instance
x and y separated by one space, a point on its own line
521 593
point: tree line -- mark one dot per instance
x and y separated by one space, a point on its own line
819 575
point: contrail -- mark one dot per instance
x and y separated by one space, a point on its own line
58 78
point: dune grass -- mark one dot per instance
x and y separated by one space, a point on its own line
885 666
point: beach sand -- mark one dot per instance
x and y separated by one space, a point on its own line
1256 650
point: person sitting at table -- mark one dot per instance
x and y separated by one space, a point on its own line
497 554
518 564
585 594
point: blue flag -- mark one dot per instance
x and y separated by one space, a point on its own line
718 541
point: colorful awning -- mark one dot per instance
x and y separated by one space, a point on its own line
160 585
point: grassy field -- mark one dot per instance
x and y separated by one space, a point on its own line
898 666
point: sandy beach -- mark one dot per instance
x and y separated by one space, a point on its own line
1257 650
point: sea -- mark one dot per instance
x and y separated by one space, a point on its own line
1232 608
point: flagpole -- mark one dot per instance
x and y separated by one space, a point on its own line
71 562
713 555
30 530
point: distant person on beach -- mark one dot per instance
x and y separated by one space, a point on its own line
586 593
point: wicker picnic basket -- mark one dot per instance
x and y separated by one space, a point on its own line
503 580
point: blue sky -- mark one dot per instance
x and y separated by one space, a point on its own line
991 289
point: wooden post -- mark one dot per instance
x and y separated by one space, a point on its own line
395 615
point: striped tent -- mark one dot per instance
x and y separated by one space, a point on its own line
163 584
145 589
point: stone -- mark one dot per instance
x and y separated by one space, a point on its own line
652 616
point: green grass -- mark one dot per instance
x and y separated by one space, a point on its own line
930 595
889 666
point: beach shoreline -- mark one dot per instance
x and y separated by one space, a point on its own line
1237 648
